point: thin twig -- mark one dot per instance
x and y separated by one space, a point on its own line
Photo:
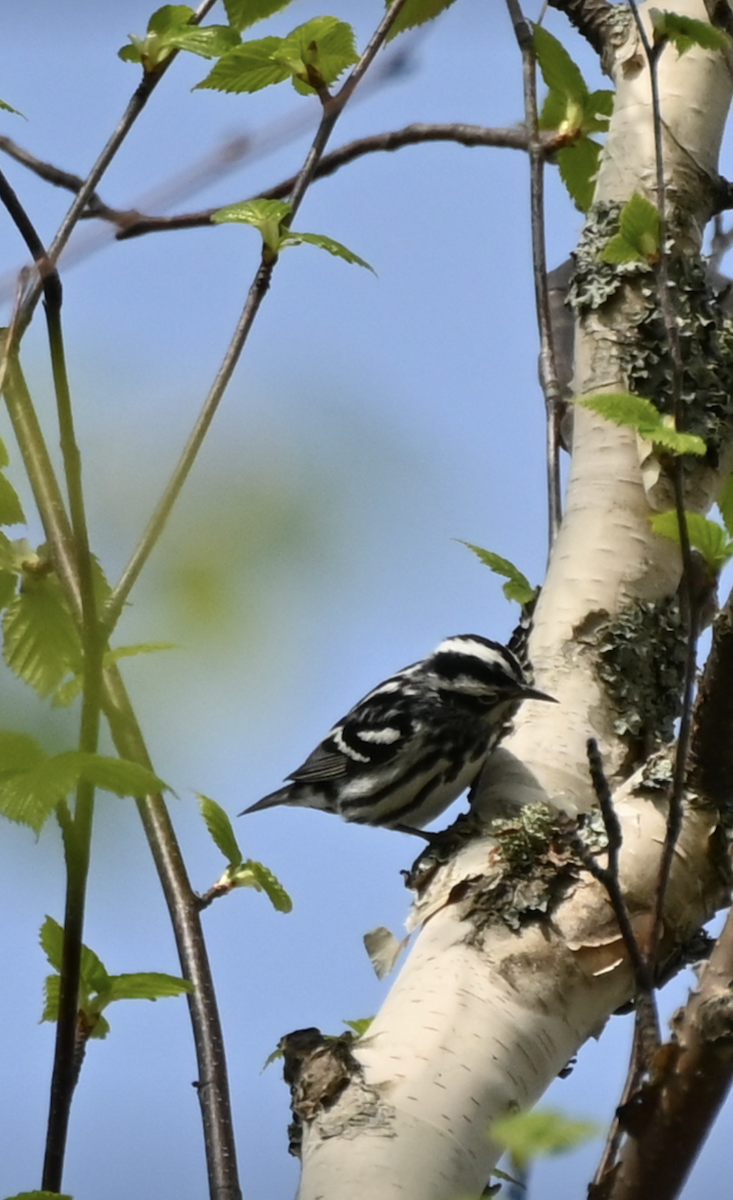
548 363
138 101
512 138
255 296
78 841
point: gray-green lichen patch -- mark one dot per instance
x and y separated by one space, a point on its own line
641 660
535 867
705 329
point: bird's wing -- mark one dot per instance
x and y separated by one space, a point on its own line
373 733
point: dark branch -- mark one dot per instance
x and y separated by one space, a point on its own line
711 751
590 17
513 138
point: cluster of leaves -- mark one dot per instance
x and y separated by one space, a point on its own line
574 112
240 872
97 988
271 218
312 56
685 32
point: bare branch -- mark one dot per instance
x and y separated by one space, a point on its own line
548 367
711 752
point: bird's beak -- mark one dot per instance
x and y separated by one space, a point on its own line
530 693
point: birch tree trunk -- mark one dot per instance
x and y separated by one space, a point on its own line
518 958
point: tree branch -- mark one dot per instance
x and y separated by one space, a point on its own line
548 367
590 18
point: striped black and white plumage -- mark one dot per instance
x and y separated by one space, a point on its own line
415 742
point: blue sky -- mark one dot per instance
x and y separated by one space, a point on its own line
371 423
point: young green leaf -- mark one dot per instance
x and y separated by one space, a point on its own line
220 828
9 108
536 1134
208 41
561 74
11 510
269 217
360 1025
416 12
248 68
114 655
41 639
291 238
144 985
639 235
118 775
40 1196
255 875
8 584
686 32
33 783
241 14
706 536
643 416
578 166
518 586
725 504
97 988
170 29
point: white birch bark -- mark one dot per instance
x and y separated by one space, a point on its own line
482 1017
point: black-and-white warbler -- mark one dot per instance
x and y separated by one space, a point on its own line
415 742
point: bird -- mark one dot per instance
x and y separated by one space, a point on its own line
415 742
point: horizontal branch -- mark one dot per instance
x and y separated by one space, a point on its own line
132 223
512 138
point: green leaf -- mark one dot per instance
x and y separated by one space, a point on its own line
686 32
11 510
560 73
255 875
168 17
118 775
114 655
725 504
416 12
536 1134
248 68
291 238
51 938
360 1025
68 691
144 985
8 584
639 235
93 974
706 536
598 111
41 639
208 41
578 165
265 215
40 1196
625 409
313 56
318 52
170 28
20 757
241 14
220 828
9 108
518 588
